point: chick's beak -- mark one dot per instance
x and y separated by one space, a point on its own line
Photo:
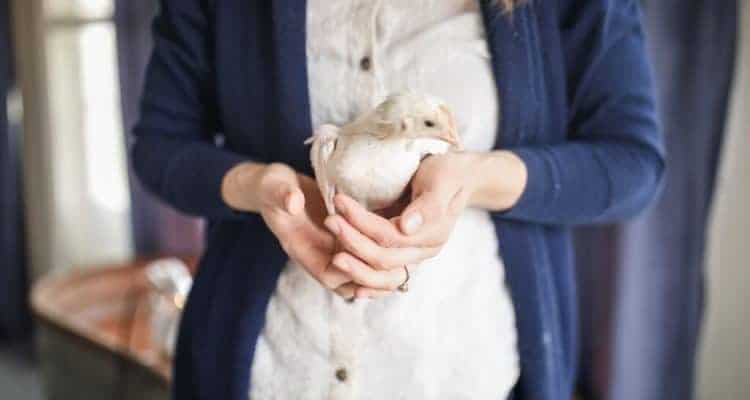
450 135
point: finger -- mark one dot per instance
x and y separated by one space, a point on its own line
431 216
312 260
365 275
429 206
311 249
348 291
332 278
320 237
294 201
379 229
305 233
308 256
288 196
378 257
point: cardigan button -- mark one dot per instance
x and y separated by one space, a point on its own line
341 374
365 63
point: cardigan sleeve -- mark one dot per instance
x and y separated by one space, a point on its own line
173 152
612 164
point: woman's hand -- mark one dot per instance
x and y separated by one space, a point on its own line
377 249
292 208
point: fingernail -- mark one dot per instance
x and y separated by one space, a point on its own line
332 226
293 204
413 222
341 266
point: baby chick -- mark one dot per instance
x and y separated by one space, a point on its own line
373 159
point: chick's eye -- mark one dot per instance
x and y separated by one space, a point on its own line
429 123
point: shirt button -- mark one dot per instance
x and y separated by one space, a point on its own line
365 63
341 374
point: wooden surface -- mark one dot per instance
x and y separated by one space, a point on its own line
105 309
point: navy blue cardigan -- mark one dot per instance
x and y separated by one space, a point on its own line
227 82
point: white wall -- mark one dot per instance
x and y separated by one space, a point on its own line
725 356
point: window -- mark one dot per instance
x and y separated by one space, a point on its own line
85 93
78 177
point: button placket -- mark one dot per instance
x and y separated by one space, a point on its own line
369 91
367 61
341 374
346 321
365 64
346 318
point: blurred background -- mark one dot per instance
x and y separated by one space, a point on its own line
86 314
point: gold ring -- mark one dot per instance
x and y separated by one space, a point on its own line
404 287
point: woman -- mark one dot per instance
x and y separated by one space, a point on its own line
554 101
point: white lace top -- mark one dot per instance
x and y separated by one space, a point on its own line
453 335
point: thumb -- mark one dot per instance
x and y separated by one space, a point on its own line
290 198
428 206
